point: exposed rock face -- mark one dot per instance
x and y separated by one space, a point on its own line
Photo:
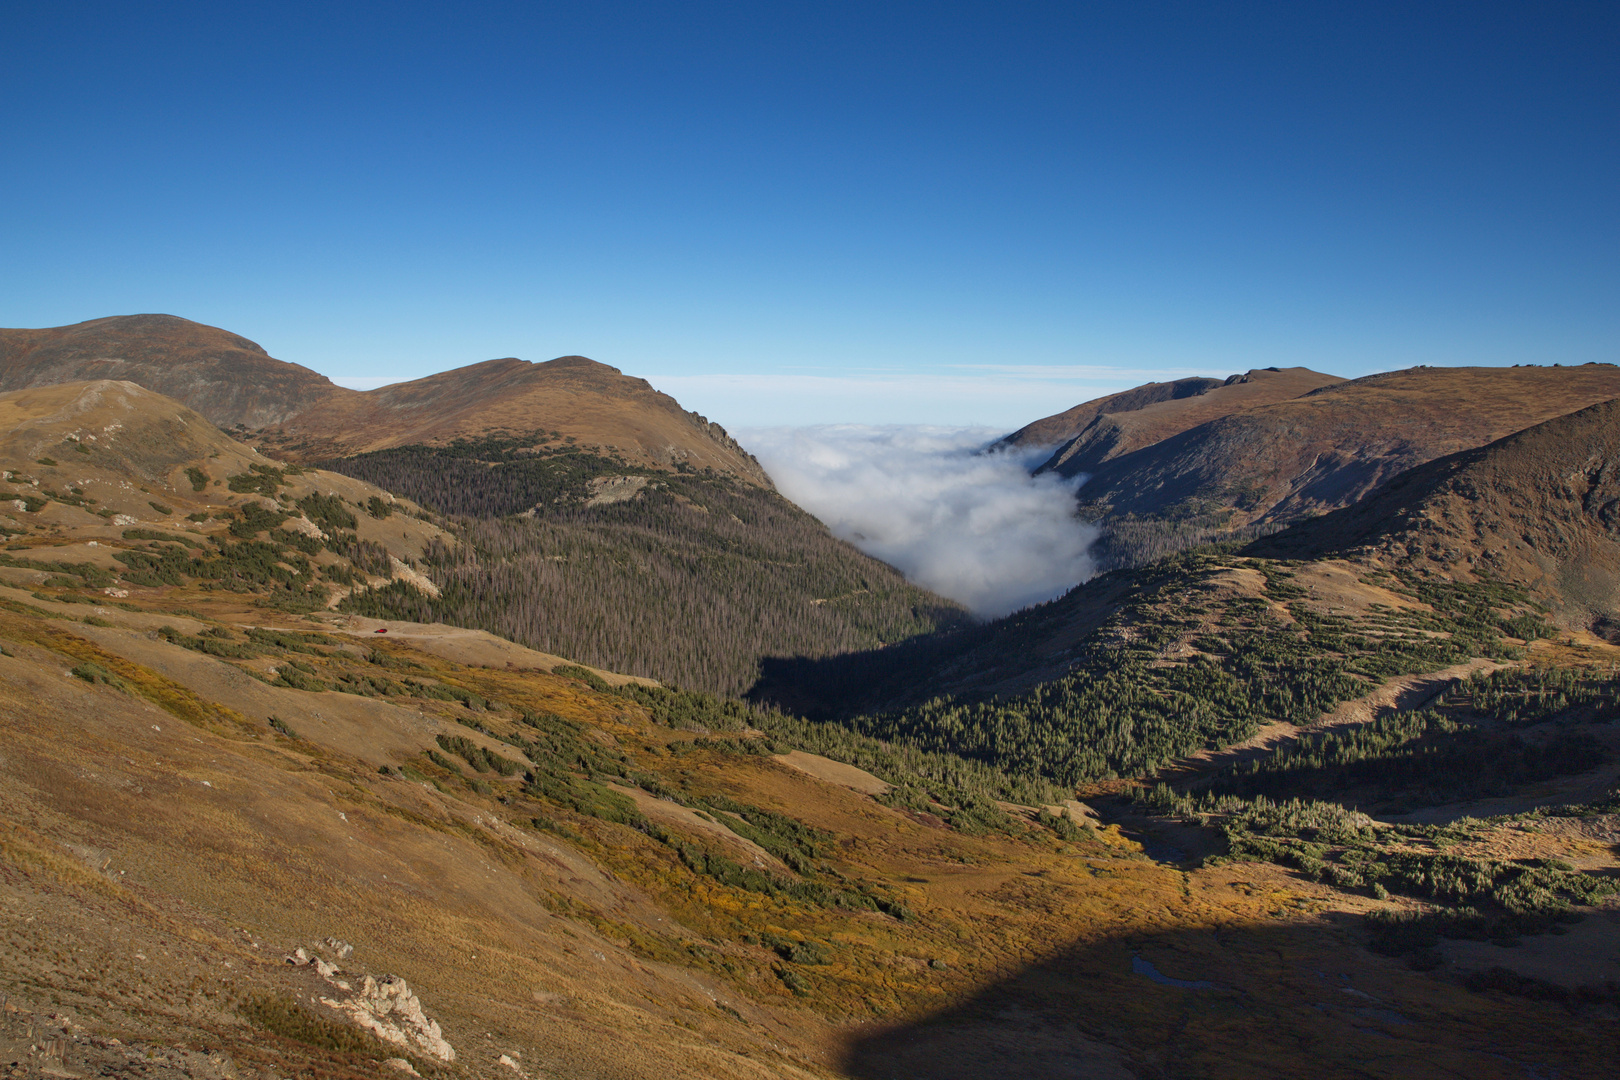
607 490
409 574
385 1007
302 524
389 1010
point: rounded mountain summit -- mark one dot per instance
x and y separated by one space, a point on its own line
305 416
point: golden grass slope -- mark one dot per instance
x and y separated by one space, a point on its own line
1095 431
164 849
81 464
236 384
597 406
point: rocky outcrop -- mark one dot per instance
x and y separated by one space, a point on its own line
389 1010
413 577
607 490
386 1007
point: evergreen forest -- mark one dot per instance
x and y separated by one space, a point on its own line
692 580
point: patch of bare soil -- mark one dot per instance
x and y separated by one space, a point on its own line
834 772
474 648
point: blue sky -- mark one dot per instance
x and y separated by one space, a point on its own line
784 213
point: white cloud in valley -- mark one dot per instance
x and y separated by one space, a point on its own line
973 526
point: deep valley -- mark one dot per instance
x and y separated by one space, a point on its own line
510 723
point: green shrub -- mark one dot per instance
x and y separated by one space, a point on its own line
259 479
171 538
584 675
284 1017
255 519
94 673
289 675
327 511
479 758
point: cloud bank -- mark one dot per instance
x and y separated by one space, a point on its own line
971 526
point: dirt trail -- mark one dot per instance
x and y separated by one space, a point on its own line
1400 694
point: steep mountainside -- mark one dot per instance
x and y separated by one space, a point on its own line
1059 428
1254 470
1540 508
1450 561
242 838
304 416
567 401
687 577
1096 431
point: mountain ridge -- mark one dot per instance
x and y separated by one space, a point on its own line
1540 507
1255 469
1099 430
304 416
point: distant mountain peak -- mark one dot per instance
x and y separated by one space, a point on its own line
580 363
235 384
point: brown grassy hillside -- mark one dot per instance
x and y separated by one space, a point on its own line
152 500
240 837
1095 431
167 848
227 378
305 417
1540 508
1256 469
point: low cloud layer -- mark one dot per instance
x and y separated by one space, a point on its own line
974 527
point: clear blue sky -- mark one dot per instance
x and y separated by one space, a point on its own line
958 213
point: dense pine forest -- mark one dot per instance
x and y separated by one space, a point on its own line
690 578
1119 709
1481 737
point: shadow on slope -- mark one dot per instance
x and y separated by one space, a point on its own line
1176 486
1540 508
1296 998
